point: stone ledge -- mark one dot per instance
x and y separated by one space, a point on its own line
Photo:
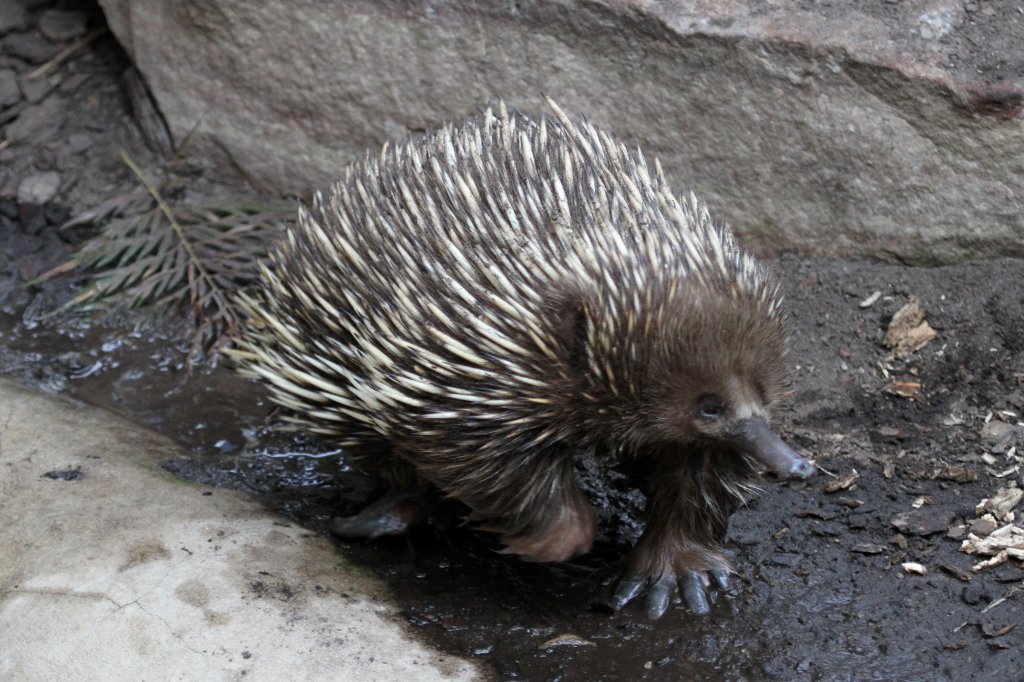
889 129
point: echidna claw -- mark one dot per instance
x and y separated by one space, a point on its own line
659 595
692 585
720 577
627 589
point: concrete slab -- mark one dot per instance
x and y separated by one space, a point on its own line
112 569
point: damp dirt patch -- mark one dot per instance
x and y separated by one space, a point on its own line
823 590
857 574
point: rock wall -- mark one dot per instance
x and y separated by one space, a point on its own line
881 130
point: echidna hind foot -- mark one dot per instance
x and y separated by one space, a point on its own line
569 533
395 513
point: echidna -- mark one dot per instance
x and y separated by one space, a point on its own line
495 299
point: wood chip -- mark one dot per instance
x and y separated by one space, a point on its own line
1001 544
957 573
1002 503
908 331
870 300
990 630
997 560
903 389
565 640
914 568
844 482
959 473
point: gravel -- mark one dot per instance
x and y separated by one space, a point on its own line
58 25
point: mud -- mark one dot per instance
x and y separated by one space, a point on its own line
821 593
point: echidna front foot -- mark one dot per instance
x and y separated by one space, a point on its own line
393 514
651 572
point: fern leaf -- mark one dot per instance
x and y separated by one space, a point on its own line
155 256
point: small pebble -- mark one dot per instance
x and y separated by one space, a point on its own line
957 532
975 593
56 214
8 209
38 188
77 143
59 26
38 122
73 82
29 47
13 17
34 89
984 526
10 93
786 559
998 432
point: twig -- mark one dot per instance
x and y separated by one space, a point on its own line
825 471
175 225
51 66
1013 590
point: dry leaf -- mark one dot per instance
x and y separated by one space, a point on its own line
566 640
843 482
903 389
1001 504
908 331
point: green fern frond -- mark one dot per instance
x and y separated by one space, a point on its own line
154 256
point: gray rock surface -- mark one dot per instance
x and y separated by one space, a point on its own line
876 127
111 569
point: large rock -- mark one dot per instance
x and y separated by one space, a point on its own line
877 127
111 569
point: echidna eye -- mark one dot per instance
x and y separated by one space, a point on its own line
711 407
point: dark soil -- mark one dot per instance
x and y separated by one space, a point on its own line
822 594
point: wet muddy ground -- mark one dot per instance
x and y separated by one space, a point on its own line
822 592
